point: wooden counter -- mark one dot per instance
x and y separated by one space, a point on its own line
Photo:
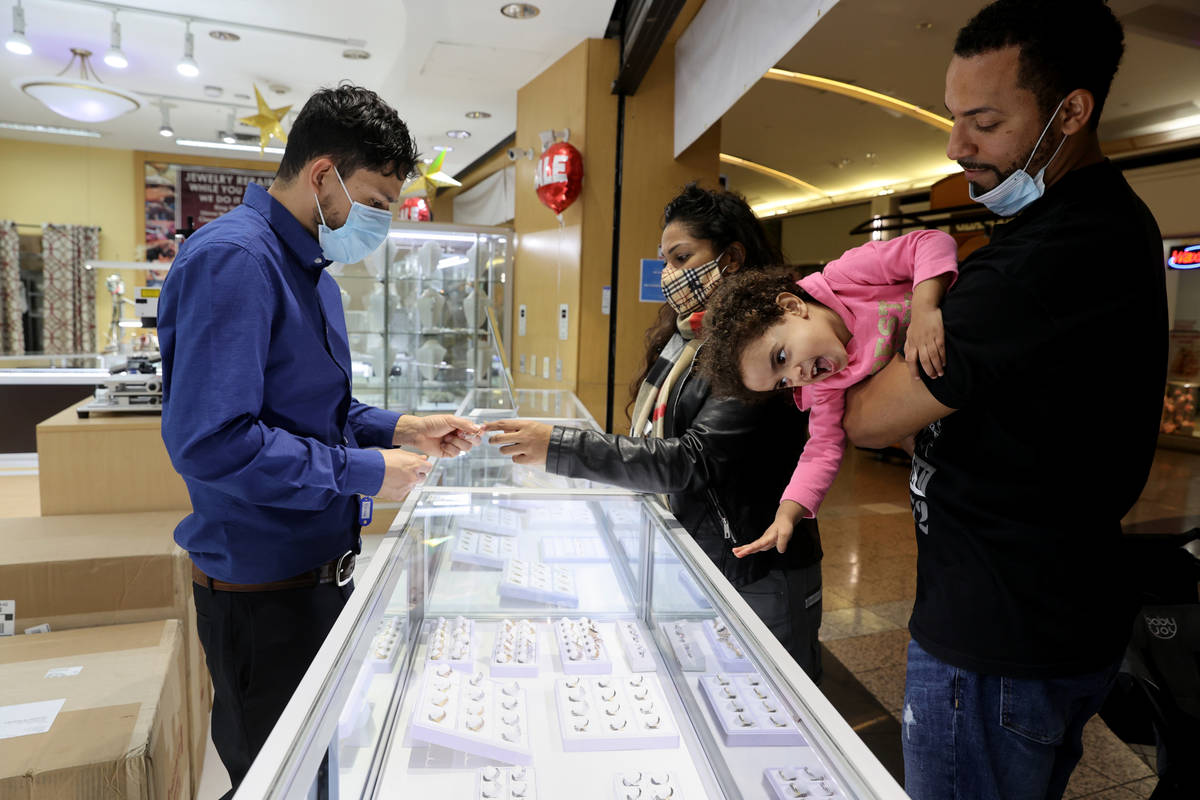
108 463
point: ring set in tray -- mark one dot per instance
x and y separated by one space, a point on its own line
515 653
581 647
636 651
628 712
506 783
645 786
787 783
687 649
747 711
731 656
473 714
483 549
452 643
541 583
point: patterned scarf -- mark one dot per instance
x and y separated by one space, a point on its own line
650 407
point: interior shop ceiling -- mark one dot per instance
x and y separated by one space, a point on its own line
434 60
847 147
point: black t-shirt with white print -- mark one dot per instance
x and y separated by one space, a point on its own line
1056 360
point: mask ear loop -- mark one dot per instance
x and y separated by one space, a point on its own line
1038 144
318 200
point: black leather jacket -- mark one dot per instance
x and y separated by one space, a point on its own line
723 465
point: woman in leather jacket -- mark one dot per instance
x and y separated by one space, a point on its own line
722 464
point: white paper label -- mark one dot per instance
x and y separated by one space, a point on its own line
605 300
43 628
546 367
521 320
563 312
27 719
64 672
8 615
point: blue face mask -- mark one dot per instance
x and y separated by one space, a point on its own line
1019 190
361 234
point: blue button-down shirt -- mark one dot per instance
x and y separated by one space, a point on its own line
257 412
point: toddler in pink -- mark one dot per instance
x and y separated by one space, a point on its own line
822 334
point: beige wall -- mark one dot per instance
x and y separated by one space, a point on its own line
821 236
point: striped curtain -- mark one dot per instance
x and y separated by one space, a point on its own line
12 332
70 290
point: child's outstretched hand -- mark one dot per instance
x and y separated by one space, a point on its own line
780 532
926 341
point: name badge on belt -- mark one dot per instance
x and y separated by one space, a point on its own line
366 509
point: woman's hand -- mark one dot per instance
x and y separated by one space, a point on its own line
525 441
926 341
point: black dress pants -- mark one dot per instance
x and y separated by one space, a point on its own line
258 646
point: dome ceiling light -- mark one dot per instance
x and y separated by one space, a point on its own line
83 98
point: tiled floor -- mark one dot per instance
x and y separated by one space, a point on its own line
869 579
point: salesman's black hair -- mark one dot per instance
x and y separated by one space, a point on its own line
355 128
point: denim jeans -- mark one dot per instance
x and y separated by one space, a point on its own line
969 736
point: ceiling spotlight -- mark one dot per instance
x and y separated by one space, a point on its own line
225 36
443 147
519 10
354 54
16 42
459 134
114 57
166 130
187 66
478 114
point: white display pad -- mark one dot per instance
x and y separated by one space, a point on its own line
801 780
573 548
515 653
495 520
747 712
614 713
636 785
483 549
473 714
506 783
581 648
636 650
452 643
386 644
729 652
685 646
564 516
539 583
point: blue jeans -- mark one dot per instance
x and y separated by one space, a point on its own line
969 736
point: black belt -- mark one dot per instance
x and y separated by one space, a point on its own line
338 571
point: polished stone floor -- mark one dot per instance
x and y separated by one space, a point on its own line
869 579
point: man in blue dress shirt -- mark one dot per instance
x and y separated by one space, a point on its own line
257 412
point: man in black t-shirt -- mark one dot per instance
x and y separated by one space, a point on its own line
1039 437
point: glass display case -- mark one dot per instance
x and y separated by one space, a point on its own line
531 643
416 314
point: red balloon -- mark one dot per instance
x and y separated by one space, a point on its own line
558 176
415 209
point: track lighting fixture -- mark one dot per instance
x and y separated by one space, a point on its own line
16 43
115 58
187 66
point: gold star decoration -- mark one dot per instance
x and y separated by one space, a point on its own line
430 179
268 121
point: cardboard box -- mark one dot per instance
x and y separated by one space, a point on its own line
107 569
122 728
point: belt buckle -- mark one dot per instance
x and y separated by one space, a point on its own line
345 566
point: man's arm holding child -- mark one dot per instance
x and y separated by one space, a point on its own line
926 339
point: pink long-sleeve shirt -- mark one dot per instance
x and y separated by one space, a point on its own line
870 288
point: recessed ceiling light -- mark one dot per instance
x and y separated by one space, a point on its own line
519 10
279 88
426 160
241 96
213 91
225 36
924 26
478 114
459 134
354 54
21 126
443 147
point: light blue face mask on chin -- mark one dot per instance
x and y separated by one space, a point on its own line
1019 190
361 234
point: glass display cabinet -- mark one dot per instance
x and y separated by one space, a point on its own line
532 643
416 314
